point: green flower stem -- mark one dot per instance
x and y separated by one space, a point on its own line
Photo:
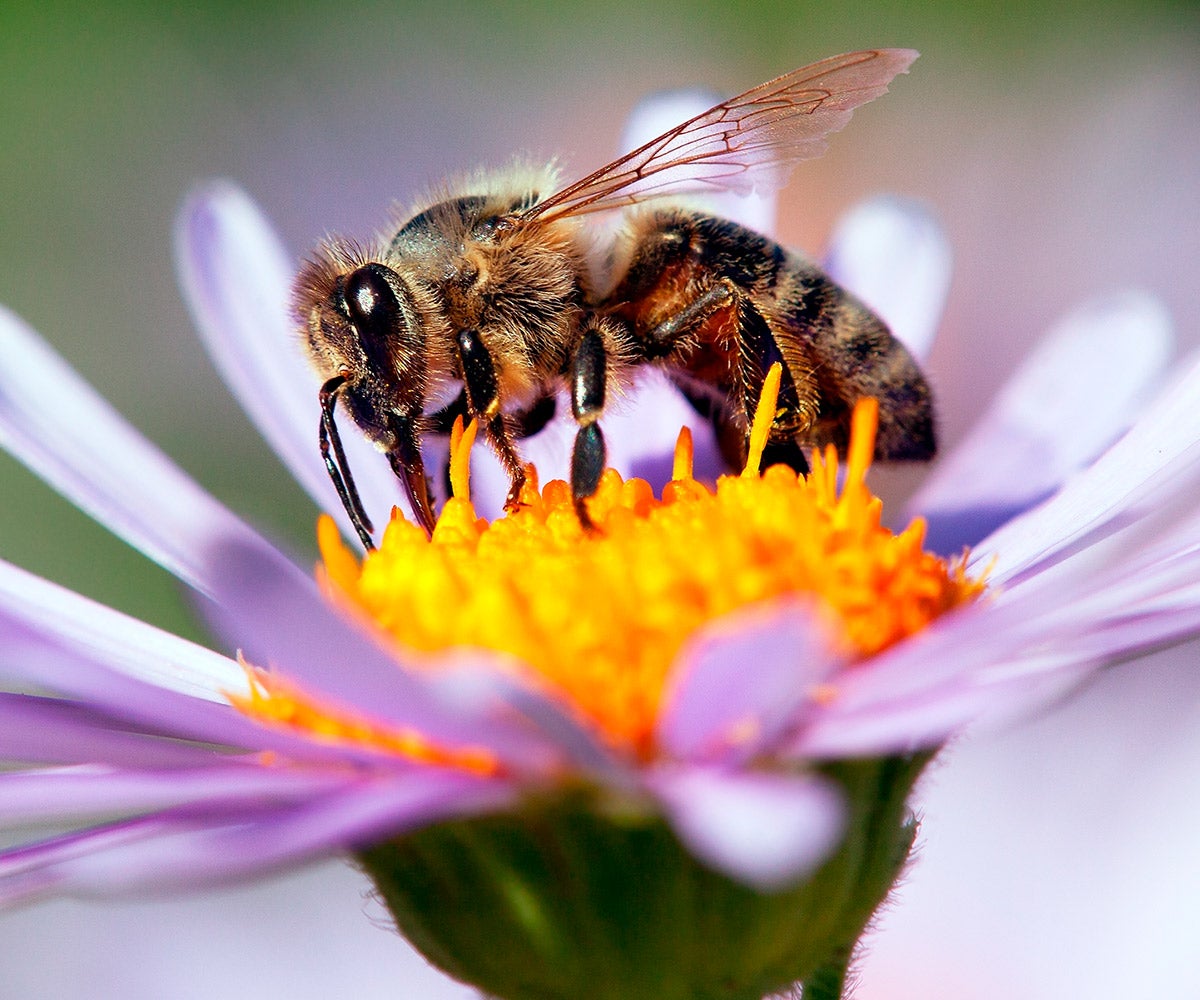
580 895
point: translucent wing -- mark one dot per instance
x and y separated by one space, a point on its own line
750 141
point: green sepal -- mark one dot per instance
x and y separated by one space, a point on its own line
581 895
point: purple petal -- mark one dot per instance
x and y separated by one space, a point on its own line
1009 657
1072 397
1159 458
1137 589
1127 586
478 688
126 644
81 793
766 830
660 112
236 277
131 673
280 620
893 255
62 642
924 679
738 686
927 721
883 695
54 731
175 851
926 712
64 431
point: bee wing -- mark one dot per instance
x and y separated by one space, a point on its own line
750 141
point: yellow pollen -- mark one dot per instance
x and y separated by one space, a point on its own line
598 619
274 701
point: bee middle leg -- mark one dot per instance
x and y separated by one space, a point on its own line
602 350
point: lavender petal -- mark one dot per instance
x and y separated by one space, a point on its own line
41 730
280 620
738 686
236 278
130 673
71 794
1029 645
128 645
64 431
173 851
1046 425
1157 458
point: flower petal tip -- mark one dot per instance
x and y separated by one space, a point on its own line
765 830
741 680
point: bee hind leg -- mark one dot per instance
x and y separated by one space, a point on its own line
732 439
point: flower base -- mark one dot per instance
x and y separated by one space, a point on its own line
580 897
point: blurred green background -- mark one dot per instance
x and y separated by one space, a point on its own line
1059 144
327 113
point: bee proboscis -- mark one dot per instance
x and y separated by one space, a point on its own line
492 299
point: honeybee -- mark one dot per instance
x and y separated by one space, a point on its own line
493 299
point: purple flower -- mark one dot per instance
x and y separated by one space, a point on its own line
127 738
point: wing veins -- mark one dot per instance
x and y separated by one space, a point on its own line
776 124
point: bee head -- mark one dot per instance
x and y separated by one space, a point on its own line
364 330
361 321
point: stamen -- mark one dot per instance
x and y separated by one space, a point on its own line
681 468
460 457
764 417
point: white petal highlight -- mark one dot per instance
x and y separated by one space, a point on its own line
893 254
766 830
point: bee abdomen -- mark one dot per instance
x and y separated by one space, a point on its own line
861 358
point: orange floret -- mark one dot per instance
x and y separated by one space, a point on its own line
598 618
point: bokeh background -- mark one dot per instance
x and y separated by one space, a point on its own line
1060 146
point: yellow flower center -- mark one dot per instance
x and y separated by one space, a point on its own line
597 619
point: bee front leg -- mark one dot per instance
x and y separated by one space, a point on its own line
521 424
483 402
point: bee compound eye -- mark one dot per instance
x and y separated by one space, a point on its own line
370 302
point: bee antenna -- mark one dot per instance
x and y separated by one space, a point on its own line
337 466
